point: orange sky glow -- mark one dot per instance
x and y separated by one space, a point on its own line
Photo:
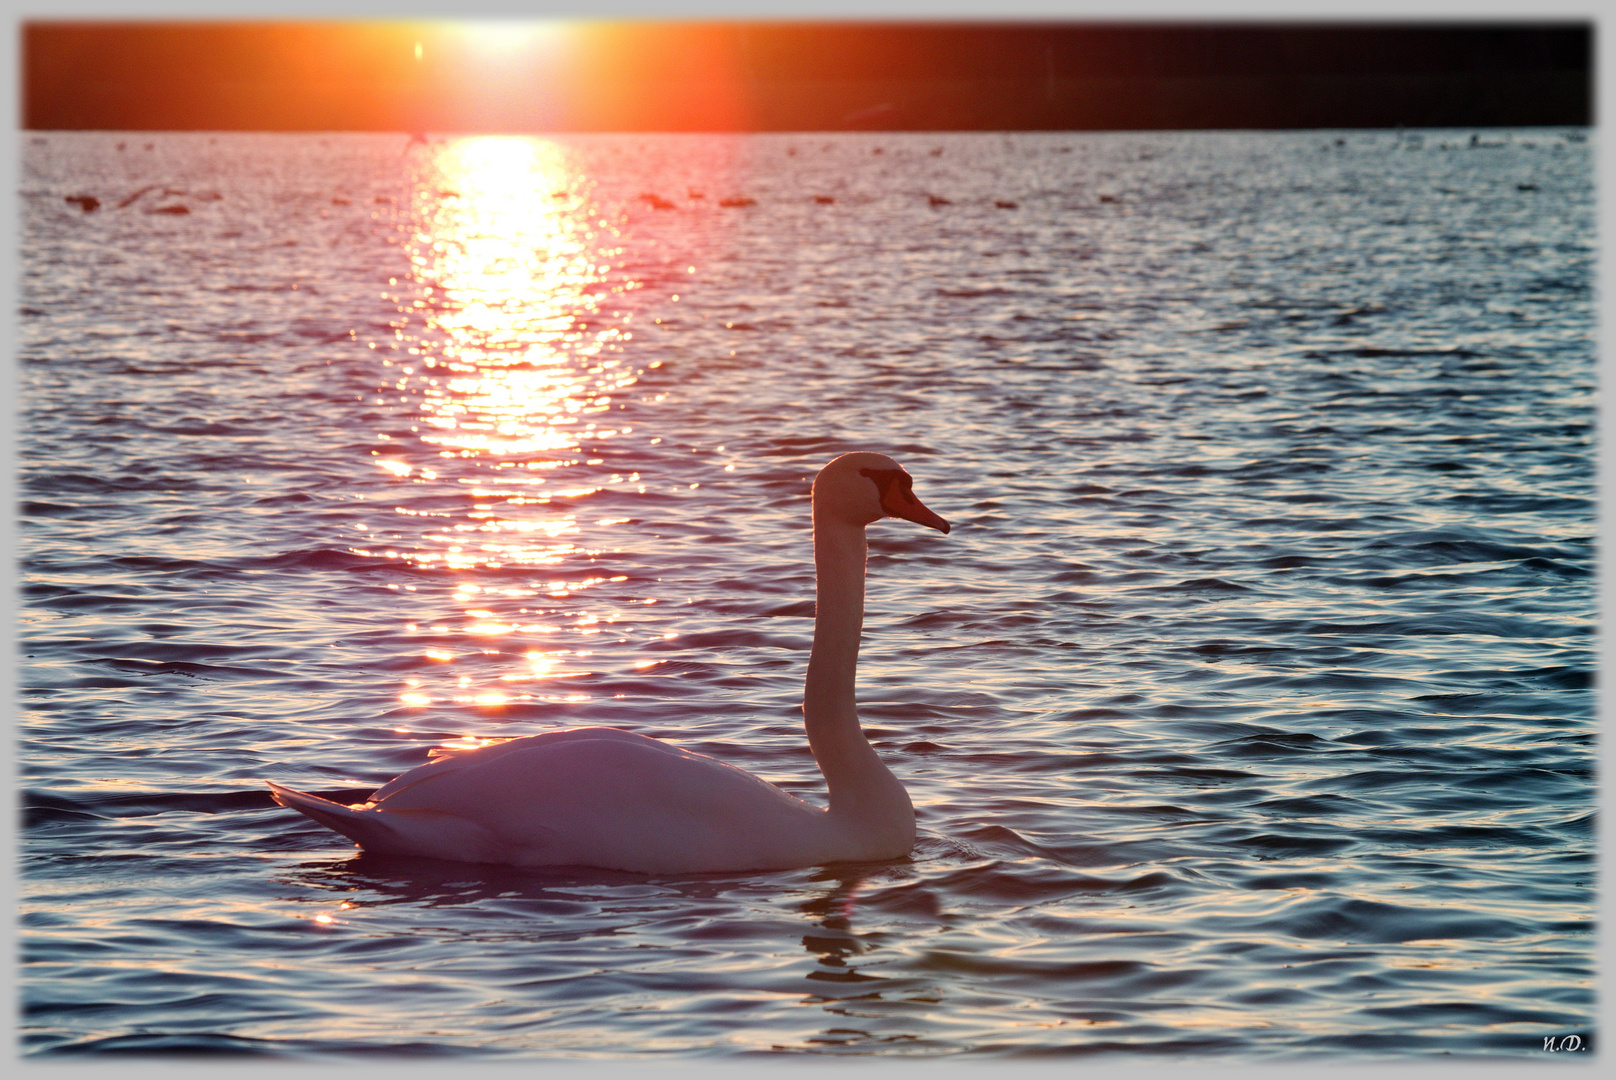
535 76
404 76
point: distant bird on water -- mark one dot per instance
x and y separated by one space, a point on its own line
610 798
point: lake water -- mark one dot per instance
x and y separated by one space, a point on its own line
1247 710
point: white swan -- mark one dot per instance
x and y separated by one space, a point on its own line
609 798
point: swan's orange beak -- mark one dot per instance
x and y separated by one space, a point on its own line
898 498
900 501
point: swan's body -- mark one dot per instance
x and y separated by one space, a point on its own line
610 798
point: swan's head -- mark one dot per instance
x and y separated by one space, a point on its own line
863 487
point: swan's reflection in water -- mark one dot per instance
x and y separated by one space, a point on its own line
381 881
660 934
835 941
378 882
863 1005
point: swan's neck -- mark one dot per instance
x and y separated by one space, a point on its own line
862 790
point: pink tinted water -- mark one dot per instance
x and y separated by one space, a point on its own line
1246 710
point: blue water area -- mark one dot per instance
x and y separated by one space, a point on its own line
1247 710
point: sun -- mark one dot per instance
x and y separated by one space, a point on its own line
497 40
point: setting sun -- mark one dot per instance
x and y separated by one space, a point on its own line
497 41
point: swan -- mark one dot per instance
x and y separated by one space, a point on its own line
609 798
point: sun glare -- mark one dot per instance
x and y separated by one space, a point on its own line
510 346
499 40
514 271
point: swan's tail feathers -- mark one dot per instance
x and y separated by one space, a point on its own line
387 832
365 828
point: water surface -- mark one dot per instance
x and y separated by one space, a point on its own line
1246 711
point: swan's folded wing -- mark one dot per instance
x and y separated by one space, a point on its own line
443 760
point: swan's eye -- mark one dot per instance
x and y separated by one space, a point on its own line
888 482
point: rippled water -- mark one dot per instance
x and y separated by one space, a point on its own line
1246 711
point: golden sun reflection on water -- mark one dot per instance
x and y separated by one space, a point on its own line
512 361
513 267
